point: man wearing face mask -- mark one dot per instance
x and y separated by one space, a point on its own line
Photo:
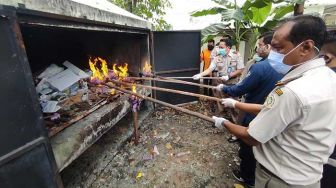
226 64
294 132
259 82
206 60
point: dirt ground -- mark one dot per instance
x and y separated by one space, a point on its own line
175 150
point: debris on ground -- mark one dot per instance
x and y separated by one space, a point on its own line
174 150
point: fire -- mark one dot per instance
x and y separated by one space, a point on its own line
134 88
113 91
96 74
102 73
104 67
121 72
147 69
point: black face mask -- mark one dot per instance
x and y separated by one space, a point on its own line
210 47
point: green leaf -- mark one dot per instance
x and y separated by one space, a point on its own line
260 11
214 30
231 14
295 1
261 3
246 5
270 24
205 12
280 11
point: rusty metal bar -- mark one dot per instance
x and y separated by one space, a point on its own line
170 90
162 79
196 114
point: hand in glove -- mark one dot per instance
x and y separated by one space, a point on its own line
220 87
225 78
196 76
228 102
219 122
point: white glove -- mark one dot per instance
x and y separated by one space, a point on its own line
225 78
228 102
196 76
220 87
219 122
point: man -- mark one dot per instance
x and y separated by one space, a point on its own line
329 170
206 60
226 64
259 82
294 131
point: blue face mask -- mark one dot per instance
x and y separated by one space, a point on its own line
276 60
222 51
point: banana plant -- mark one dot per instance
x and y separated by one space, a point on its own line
246 22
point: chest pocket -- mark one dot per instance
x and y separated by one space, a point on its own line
233 63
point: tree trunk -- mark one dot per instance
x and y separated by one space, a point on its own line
298 9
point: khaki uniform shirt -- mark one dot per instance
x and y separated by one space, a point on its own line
225 65
297 126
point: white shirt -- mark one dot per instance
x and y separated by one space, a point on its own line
297 126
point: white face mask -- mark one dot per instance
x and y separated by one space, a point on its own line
276 60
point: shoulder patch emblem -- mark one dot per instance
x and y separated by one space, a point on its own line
279 92
269 101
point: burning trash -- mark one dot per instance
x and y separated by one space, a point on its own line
67 92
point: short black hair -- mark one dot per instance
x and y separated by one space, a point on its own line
330 43
228 42
307 27
211 40
267 37
227 36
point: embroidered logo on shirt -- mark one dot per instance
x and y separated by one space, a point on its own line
279 92
269 101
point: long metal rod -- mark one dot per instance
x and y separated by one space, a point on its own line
172 81
209 78
196 114
169 90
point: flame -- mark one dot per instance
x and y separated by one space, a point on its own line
134 88
102 73
124 71
113 91
95 70
147 69
104 67
121 72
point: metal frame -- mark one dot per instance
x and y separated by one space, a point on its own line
26 148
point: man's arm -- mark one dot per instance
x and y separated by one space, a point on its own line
240 132
209 70
236 73
249 108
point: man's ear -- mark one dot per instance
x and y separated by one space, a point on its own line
307 47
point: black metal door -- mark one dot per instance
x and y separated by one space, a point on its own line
175 54
26 157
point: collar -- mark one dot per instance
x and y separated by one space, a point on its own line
298 71
333 68
231 53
